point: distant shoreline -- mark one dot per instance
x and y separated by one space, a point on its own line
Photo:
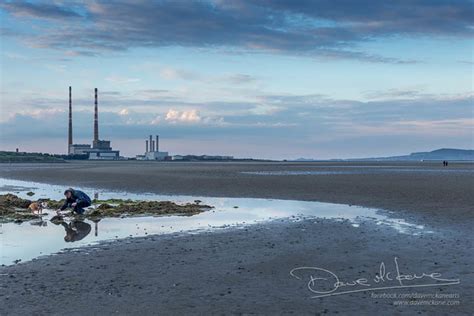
449 154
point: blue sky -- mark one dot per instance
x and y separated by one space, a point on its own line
269 79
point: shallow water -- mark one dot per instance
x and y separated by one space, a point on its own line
357 170
30 240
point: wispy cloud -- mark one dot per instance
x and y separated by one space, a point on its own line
240 79
170 73
323 29
40 10
397 94
307 123
121 80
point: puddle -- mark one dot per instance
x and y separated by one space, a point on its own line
37 238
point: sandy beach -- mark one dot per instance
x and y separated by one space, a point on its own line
251 269
422 187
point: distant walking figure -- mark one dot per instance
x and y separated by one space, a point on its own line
77 200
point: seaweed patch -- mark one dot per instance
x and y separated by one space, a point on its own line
15 209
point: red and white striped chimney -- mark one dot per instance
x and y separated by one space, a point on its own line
96 118
69 141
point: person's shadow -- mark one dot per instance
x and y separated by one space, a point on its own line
75 230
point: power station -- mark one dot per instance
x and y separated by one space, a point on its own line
100 148
152 151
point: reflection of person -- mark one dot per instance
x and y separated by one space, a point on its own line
76 230
77 200
96 226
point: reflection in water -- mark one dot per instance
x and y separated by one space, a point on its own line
76 230
96 227
45 238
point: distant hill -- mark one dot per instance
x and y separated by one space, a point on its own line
443 154
438 154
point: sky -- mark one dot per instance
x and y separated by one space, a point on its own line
264 79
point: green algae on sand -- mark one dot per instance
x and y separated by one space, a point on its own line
15 209
153 208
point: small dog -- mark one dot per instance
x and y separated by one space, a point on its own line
37 207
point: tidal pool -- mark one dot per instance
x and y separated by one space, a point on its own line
32 239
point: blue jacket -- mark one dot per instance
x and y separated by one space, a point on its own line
77 197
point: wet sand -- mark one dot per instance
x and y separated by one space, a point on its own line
247 271
425 188
242 271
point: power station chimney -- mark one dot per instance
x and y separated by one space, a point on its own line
151 143
69 142
96 119
146 146
157 143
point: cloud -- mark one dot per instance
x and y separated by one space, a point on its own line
16 56
170 73
190 116
265 109
154 91
323 29
121 80
239 79
124 112
414 128
75 53
309 124
39 10
110 93
331 54
397 93
375 18
156 120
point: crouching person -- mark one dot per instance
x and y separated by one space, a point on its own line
76 199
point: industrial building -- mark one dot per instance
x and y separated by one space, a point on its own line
152 151
100 149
